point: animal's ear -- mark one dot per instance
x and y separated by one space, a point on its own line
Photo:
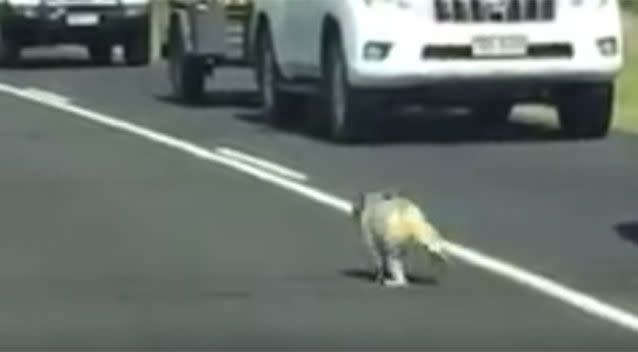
391 193
400 193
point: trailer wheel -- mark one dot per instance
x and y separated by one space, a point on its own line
186 71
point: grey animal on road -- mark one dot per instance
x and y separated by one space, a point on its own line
389 223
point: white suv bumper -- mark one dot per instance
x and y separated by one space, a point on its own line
396 76
406 66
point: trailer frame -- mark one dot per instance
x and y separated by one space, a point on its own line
197 41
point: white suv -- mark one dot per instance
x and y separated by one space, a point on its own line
98 24
358 55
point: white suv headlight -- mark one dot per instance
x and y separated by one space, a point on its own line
400 4
594 3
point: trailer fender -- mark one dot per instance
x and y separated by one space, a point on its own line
202 27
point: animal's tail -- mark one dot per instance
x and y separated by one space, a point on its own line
431 239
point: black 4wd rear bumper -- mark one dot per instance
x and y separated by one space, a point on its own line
42 25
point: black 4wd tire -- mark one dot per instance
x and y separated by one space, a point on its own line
279 108
9 51
101 54
186 72
586 110
343 105
136 48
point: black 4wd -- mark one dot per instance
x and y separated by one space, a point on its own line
99 25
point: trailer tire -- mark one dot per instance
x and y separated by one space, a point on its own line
186 71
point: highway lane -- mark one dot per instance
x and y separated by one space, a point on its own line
498 211
519 192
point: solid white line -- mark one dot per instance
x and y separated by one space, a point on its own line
262 163
582 301
46 95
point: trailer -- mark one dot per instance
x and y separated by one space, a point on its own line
201 35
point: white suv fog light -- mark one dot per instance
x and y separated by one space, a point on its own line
608 46
376 51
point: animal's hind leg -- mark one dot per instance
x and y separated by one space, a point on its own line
380 270
377 254
396 268
380 263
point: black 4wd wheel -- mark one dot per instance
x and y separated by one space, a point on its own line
9 50
136 48
186 72
101 54
585 111
279 108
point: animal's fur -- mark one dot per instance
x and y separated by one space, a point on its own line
390 222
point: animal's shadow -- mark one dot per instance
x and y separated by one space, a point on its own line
64 57
53 64
628 231
369 276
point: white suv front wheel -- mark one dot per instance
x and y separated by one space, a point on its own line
586 110
493 113
341 101
279 108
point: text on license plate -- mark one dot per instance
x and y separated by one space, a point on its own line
513 45
82 19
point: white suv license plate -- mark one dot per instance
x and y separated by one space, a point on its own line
499 46
82 19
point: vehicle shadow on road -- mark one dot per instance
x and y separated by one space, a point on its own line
56 64
434 129
219 98
628 231
369 276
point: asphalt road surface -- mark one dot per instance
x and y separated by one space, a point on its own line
111 241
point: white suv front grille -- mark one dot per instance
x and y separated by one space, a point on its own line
490 11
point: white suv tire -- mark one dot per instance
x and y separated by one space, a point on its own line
278 108
342 104
586 110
